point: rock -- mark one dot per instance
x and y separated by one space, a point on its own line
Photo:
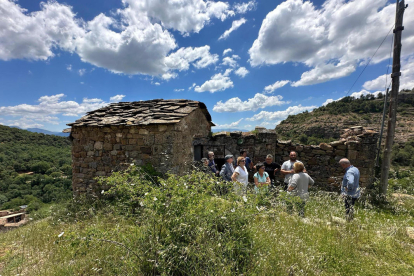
325 146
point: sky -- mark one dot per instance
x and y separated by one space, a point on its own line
252 63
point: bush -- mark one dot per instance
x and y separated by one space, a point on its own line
187 223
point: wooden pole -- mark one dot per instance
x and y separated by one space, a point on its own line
395 76
382 126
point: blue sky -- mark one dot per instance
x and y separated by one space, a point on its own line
59 59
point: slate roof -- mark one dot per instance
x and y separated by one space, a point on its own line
157 111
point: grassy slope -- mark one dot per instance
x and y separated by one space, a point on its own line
374 244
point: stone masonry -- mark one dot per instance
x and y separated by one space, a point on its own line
112 138
321 161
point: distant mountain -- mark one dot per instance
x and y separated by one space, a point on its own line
228 130
44 131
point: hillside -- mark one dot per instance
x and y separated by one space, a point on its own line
34 167
328 122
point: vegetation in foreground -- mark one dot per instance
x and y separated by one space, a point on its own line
195 225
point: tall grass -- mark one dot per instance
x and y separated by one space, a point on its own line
195 225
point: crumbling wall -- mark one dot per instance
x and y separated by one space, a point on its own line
98 151
321 161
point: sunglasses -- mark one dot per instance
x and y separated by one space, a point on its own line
242 160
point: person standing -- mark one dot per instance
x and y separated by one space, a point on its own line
240 176
287 168
299 185
227 169
249 164
261 179
350 187
212 164
271 168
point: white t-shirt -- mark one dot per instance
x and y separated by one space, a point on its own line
288 166
242 176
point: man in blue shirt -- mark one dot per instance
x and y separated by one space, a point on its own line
350 187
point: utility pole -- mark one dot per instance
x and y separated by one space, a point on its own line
382 127
395 76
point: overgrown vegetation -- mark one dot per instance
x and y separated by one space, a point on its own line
195 225
34 168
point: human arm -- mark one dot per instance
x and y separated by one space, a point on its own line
350 180
222 171
311 181
286 170
256 181
293 182
234 176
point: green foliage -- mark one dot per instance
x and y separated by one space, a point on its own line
403 155
21 152
194 225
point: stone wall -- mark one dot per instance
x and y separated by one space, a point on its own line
98 151
357 144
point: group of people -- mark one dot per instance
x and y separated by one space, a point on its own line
296 180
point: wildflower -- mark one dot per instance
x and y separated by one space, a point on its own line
155 199
223 218
141 203
61 234
244 198
233 210
103 191
145 193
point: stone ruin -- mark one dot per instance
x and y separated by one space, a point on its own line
171 134
321 161
157 132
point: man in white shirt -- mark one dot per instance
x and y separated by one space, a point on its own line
287 168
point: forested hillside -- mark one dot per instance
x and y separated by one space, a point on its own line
326 123
34 168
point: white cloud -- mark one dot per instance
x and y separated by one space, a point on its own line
272 87
333 40
192 86
230 61
185 16
218 82
82 72
328 101
179 90
157 83
227 51
140 48
132 40
69 67
199 56
34 36
53 105
406 79
280 115
245 7
241 72
116 98
247 126
257 102
231 125
169 75
355 95
234 26
324 73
